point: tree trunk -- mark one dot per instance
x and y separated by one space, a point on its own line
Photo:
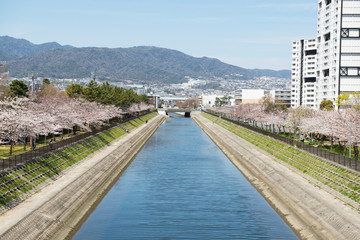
356 152
332 143
25 138
11 146
294 133
341 147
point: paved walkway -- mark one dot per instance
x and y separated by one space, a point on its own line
60 207
312 212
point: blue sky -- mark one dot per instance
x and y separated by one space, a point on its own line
246 33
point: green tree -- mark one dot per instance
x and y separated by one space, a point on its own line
91 91
18 88
349 100
343 100
46 81
144 98
356 100
222 101
74 91
326 105
106 94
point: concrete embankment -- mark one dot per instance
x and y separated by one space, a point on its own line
308 209
59 209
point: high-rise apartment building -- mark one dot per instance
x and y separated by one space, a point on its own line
337 62
303 76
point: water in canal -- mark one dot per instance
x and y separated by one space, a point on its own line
181 186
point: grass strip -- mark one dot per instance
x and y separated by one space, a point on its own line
340 179
22 179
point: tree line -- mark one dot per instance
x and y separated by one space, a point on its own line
338 127
106 94
48 111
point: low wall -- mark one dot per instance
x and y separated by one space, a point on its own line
64 205
301 201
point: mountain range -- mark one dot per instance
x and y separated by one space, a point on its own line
143 64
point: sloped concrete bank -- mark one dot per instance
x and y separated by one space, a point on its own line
302 202
58 210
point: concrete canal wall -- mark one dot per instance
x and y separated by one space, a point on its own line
57 211
301 201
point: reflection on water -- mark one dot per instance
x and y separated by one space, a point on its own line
181 186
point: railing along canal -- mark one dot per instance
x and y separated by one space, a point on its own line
23 158
334 157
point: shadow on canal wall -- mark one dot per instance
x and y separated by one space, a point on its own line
97 194
312 211
62 214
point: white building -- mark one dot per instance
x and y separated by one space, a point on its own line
282 96
210 100
245 96
303 73
339 48
337 58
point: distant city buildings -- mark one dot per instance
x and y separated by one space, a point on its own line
154 100
336 59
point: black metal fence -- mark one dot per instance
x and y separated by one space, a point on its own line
334 157
28 156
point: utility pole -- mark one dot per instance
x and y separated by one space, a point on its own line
300 129
33 82
350 141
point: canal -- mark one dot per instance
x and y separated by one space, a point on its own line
181 186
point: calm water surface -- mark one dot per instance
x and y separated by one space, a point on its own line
181 186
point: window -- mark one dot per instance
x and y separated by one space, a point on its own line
327 37
327 2
326 72
310 52
310 79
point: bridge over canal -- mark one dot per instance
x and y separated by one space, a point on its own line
187 111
